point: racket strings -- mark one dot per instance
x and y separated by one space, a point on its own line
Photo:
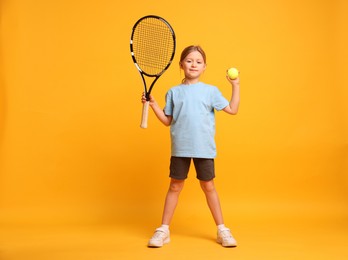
153 45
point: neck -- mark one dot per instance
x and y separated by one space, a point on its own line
190 82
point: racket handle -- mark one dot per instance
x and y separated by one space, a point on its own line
144 115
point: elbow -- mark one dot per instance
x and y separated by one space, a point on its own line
166 122
233 111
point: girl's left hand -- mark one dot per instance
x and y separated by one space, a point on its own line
233 81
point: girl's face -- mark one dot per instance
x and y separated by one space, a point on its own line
193 66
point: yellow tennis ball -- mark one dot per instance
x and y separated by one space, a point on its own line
232 73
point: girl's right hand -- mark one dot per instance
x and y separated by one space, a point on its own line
143 99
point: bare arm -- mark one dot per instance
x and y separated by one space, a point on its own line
233 106
166 120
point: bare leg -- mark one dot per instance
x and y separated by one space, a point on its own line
171 201
213 200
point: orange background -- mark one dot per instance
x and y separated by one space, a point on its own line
71 147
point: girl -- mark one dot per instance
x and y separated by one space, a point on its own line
189 111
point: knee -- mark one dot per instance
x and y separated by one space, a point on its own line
176 186
207 186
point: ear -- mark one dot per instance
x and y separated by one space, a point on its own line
180 64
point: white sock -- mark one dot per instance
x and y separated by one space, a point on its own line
221 226
165 227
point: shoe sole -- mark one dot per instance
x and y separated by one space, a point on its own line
165 241
229 245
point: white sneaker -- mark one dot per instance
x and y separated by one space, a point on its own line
225 238
159 238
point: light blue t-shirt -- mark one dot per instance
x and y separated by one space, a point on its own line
193 125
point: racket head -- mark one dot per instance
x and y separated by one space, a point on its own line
152 45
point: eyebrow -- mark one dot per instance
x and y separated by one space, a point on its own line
199 59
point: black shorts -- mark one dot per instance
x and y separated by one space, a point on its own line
180 166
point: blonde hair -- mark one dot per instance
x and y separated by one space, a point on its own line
190 49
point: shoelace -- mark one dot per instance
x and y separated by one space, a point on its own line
159 234
226 234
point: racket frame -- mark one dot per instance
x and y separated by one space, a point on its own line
147 90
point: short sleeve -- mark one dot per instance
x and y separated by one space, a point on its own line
168 109
219 102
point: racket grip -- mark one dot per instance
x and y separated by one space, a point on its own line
144 115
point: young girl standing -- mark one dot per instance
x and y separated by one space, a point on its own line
189 111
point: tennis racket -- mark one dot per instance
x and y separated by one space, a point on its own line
152 47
